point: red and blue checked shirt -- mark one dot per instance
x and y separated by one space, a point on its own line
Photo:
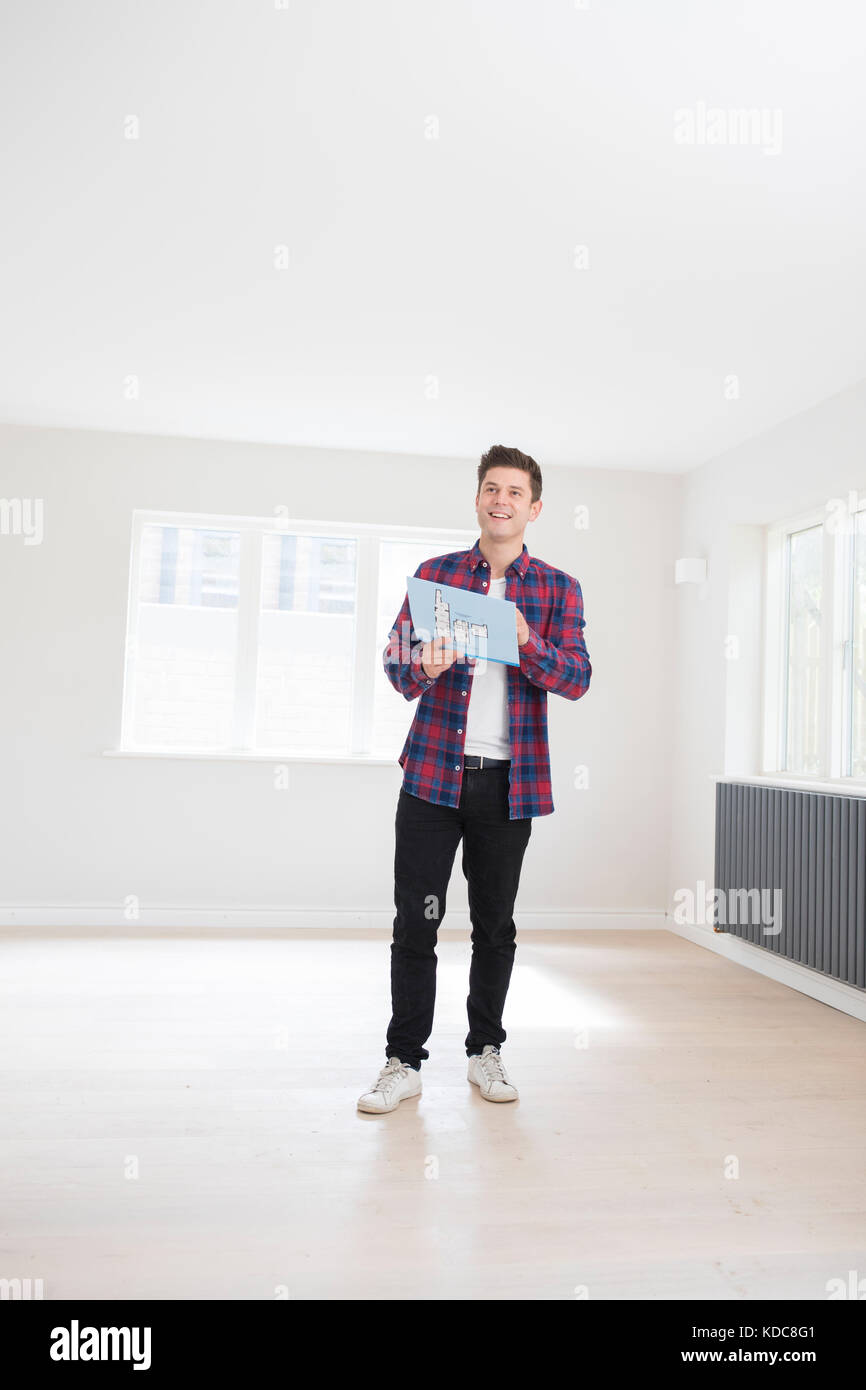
554 659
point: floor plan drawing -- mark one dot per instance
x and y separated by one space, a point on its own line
475 624
464 634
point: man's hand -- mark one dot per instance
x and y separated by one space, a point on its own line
436 657
522 630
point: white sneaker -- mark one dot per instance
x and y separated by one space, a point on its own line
396 1081
488 1073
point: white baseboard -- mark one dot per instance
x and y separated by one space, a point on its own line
788 972
108 917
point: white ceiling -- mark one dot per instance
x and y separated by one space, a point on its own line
414 258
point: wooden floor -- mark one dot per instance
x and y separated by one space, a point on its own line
179 1122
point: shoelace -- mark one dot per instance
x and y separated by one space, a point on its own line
390 1073
492 1062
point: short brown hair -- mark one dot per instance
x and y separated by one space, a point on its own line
502 456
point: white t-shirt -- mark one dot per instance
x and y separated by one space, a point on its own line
487 723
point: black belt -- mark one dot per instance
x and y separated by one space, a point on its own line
475 761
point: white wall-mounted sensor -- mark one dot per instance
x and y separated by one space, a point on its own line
690 571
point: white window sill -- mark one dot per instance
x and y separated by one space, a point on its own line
364 759
840 786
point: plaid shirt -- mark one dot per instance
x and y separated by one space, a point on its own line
554 659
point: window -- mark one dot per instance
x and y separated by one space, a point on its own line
247 635
803 554
306 634
815 679
855 684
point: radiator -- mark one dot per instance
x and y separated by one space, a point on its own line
810 847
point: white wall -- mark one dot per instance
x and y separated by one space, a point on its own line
796 466
82 830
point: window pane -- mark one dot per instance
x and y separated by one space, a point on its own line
858 663
804 650
182 565
392 714
184 670
306 643
308 574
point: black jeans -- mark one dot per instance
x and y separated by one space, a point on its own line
427 836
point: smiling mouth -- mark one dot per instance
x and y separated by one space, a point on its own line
500 516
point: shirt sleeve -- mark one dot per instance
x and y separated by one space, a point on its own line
563 670
402 656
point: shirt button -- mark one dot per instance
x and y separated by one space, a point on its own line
456 767
460 731
484 584
462 692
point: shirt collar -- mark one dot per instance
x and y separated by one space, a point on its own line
521 564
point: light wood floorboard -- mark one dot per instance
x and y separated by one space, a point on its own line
225 1067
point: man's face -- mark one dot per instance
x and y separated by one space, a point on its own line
504 505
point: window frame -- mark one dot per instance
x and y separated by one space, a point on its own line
835 667
368 537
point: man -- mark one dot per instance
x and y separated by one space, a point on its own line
476 767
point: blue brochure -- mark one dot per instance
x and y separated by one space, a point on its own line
475 624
